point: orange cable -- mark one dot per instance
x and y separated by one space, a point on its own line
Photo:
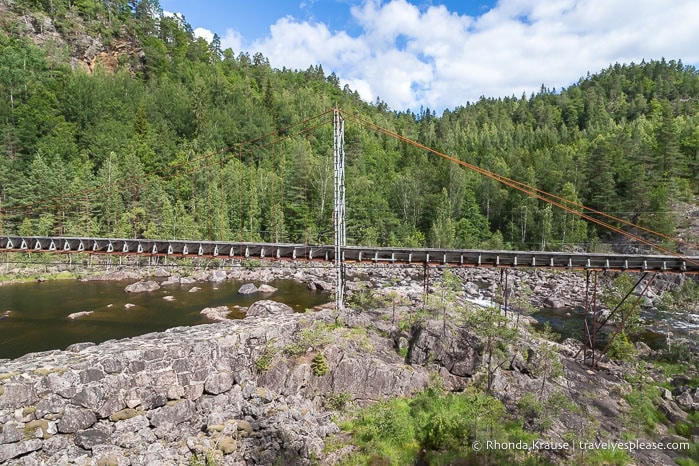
530 191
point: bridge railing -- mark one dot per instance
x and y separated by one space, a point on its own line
356 254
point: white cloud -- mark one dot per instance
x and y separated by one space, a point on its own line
232 40
410 56
204 33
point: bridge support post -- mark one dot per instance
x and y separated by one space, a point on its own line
340 228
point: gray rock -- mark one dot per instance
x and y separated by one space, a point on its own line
75 419
90 438
13 450
671 411
78 315
218 383
685 401
142 286
458 350
219 313
643 350
220 276
248 288
264 288
173 414
161 273
10 434
16 395
554 302
267 307
78 347
116 276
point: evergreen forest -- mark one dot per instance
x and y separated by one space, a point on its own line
164 135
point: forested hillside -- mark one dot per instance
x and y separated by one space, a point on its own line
117 121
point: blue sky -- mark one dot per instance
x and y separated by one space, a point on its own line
252 19
442 54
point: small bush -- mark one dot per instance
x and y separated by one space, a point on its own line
622 349
264 362
338 401
316 335
643 411
319 365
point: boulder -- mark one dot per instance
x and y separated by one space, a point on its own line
169 298
266 289
458 350
671 411
554 302
319 285
267 307
171 280
218 314
75 419
643 350
194 289
685 401
248 288
218 276
140 287
77 315
13 450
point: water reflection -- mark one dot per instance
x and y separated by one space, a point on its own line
38 317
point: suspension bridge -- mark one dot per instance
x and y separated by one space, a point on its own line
662 260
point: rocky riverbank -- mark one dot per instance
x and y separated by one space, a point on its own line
265 388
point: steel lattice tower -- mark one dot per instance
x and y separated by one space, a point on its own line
339 214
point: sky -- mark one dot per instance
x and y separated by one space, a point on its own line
442 54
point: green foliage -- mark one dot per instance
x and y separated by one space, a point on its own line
609 457
622 349
689 457
316 335
319 365
643 410
264 361
338 401
439 426
364 298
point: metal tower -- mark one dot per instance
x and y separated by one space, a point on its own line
339 214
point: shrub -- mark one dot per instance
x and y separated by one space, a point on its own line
264 362
622 349
338 401
319 365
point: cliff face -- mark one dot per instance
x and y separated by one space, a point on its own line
73 39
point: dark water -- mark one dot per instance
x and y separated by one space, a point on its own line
570 323
38 311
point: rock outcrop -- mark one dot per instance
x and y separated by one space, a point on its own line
189 392
119 400
248 288
142 286
219 313
266 308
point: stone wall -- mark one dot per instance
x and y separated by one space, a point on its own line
163 397
156 399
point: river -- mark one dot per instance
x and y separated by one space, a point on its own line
34 316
